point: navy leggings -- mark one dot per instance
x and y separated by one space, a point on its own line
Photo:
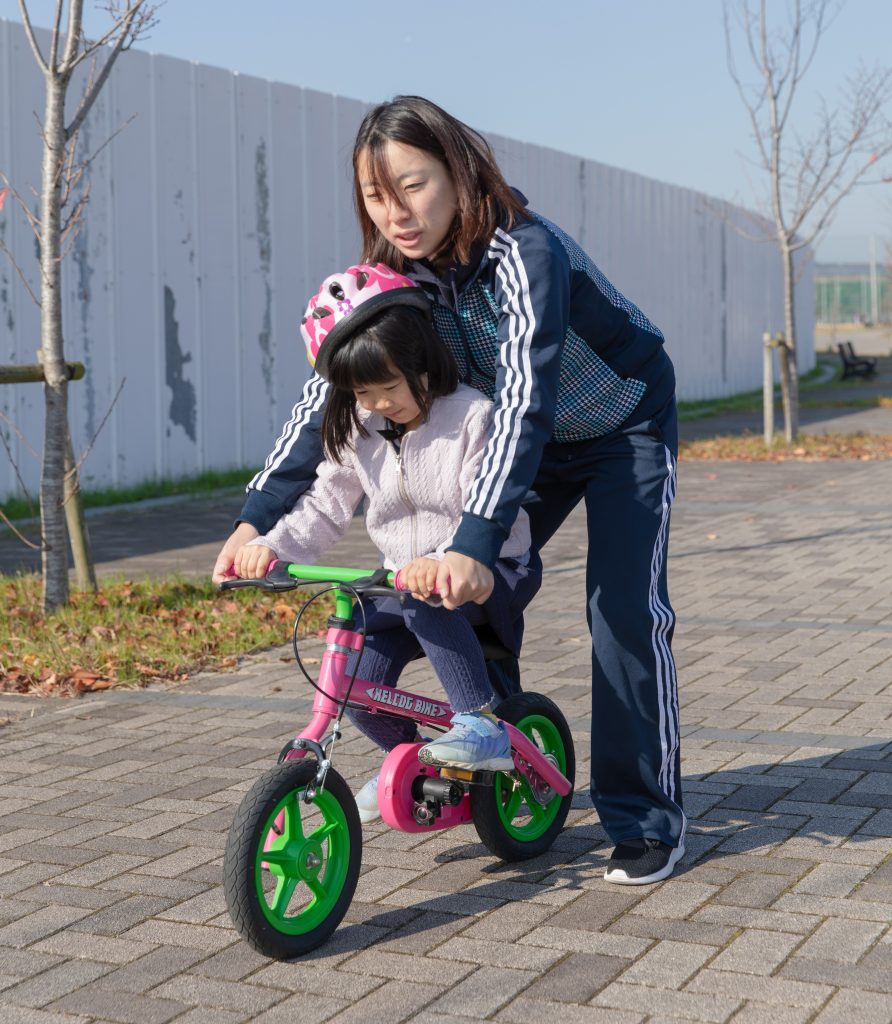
627 480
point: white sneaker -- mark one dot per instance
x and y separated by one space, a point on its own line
367 802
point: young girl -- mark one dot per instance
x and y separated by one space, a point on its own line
584 399
401 431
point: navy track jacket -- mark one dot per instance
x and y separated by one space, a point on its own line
535 326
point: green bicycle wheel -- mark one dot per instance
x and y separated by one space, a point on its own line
513 819
290 867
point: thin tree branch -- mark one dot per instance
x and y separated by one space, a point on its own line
20 272
75 470
32 39
73 36
90 94
54 44
21 536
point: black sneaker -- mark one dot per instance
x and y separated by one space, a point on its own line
642 861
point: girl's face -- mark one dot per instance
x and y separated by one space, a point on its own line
392 399
418 219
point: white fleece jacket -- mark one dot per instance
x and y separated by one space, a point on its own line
415 497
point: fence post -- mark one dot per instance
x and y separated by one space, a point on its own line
768 389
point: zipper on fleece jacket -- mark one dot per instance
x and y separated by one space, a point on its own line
404 493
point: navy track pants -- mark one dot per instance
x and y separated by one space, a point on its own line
627 480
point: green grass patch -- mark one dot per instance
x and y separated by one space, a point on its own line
751 401
211 480
133 633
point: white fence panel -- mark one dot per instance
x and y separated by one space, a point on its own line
219 209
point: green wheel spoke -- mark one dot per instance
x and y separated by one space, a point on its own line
279 862
324 831
294 826
512 804
282 896
318 890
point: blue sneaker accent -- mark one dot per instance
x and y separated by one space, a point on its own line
474 742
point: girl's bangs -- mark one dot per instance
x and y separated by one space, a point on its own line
357 362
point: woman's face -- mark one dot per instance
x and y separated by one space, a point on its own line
419 219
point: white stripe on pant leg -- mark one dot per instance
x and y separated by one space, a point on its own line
664 662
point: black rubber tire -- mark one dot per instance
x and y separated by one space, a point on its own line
488 821
243 845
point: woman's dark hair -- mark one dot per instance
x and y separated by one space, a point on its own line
400 338
484 197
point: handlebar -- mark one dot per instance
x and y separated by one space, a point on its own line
281 576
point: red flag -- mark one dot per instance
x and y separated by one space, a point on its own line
3 194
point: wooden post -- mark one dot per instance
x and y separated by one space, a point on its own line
74 510
77 524
767 389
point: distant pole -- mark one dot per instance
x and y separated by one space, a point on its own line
768 389
874 305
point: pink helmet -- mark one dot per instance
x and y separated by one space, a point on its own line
348 300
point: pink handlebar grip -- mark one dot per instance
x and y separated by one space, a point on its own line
398 584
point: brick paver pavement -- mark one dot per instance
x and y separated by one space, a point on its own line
114 808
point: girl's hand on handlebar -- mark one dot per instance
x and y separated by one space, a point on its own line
252 561
461 578
239 537
419 577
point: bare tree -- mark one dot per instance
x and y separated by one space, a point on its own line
807 173
63 195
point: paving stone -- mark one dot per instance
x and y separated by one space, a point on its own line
193 990
123 915
483 992
24 1015
848 1005
756 952
841 941
668 965
37 925
58 981
693 1006
576 979
111 1006
106 950
175 934
151 969
526 1008
309 1008
761 989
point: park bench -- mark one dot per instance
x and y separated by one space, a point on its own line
854 365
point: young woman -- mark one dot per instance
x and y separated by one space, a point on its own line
584 399
401 431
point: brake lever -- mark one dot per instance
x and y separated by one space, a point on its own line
277 579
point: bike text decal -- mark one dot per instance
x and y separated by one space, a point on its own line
383 695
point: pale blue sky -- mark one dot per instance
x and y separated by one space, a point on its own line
640 84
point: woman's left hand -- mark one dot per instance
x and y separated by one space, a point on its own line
461 578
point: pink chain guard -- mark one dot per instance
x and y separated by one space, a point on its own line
401 767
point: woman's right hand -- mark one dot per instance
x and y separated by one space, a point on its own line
240 536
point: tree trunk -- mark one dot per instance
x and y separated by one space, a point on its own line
788 362
52 515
